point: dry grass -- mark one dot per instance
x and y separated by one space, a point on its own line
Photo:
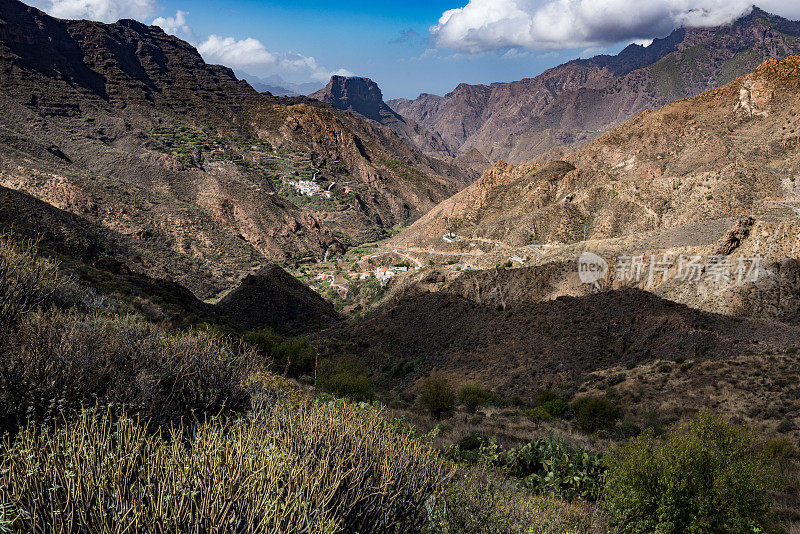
482 500
295 468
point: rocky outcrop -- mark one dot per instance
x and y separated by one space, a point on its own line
364 97
272 298
360 95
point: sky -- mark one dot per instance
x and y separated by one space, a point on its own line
411 46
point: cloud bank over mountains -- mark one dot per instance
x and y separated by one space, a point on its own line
239 54
487 25
102 10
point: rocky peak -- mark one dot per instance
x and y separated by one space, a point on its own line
354 93
364 97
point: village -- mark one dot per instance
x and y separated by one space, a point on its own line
339 282
310 188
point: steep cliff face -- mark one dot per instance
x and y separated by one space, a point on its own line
130 128
364 97
360 95
574 103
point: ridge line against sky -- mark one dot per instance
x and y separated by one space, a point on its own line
410 47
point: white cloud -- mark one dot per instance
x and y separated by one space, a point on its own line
251 55
175 25
102 10
230 52
484 25
240 54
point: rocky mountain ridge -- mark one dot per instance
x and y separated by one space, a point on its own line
728 152
571 104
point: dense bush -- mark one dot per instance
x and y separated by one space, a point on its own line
26 280
551 403
712 476
346 378
57 359
538 415
596 413
437 396
299 467
293 356
553 466
473 395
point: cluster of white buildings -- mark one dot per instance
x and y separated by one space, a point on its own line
309 188
383 274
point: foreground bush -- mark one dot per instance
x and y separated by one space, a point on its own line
596 413
551 403
299 467
293 356
474 395
26 280
56 359
709 477
346 378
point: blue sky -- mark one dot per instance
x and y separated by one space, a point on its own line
411 46
369 39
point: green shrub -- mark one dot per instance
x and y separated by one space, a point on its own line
551 465
294 356
711 476
538 415
473 395
552 403
346 378
596 413
548 465
437 396
264 340
299 467
298 356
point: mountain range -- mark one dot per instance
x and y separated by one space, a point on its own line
571 104
277 86
128 127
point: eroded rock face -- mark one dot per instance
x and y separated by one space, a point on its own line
361 95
